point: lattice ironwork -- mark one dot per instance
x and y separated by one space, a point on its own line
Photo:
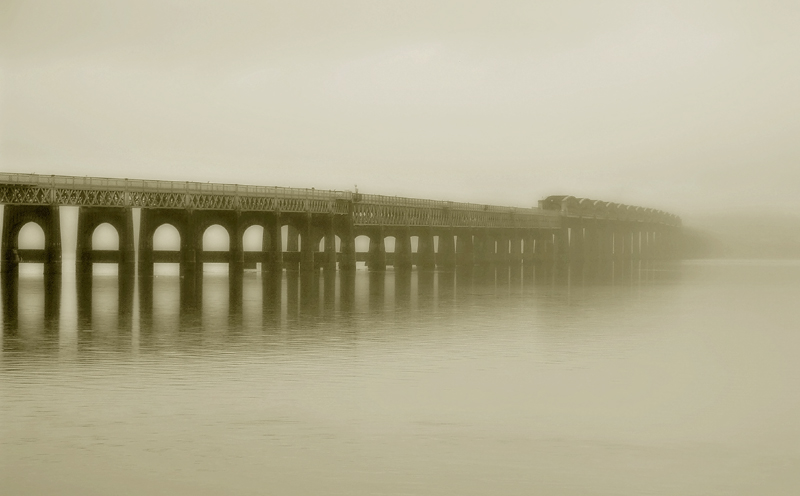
23 194
366 214
34 189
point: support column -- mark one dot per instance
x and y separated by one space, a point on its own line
330 244
48 218
465 249
121 219
83 247
576 242
9 289
503 255
619 242
291 238
236 260
644 251
657 243
52 241
127 256
636 242
145 262
515 256
605 241
377 251
528 248
540 245
235 293
348 261
425 250
307 246
272 245
591 241
191 246
150 220
447 249
402 249
483 248
83 290
560 245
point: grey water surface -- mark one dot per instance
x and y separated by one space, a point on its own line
674 379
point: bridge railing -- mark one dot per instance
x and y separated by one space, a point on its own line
156 186
38 189
449 205
399 211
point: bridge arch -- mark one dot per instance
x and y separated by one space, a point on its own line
30 236
105 237
362 243
253 238
216 238
414 243
166 237
390 243
337 243
291 238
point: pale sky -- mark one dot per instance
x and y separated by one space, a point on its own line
684 106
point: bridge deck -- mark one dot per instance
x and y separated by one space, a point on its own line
366 210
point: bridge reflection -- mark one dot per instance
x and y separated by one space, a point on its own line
56 312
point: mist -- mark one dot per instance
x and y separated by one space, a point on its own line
672 105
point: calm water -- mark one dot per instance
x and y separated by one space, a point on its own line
662 380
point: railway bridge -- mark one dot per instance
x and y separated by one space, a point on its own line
305 229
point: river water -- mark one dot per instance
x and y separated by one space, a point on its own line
638 380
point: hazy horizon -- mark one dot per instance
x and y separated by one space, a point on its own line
672 105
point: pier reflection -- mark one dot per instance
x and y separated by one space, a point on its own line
121 313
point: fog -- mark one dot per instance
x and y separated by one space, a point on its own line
675 105
502 370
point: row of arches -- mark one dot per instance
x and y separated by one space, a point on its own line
194 237
166 237
216 237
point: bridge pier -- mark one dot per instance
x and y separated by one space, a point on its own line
503 255
446 258
465 249
272 245
200 221
48 218
493 245
329 262
564 228
528 247
307 247
591 236
651 243
291 260
561 245
426 253
638 241
376 259
605 240
540 245
121 219
515 255
483 247
402 249
619 242
577 246
153 218
348 256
